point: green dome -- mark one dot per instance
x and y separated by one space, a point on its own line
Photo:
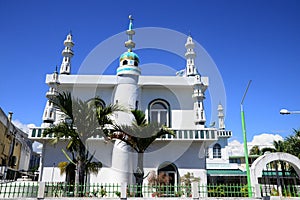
130 55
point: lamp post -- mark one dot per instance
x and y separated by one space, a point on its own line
287 112
245 142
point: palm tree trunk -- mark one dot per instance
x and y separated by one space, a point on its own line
81 166
81 175
139 175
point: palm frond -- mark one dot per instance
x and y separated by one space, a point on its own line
93 167
139 137
68 157
64 102
139 117
62 167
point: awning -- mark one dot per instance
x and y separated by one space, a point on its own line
225 172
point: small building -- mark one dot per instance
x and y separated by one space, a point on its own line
15 149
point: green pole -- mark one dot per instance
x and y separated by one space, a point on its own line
246 152
245 143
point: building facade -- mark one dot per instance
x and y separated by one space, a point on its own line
15 149
175 101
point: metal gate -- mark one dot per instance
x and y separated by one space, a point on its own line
279 179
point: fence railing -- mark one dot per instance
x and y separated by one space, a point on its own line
32 190
18 189
90 190
285 190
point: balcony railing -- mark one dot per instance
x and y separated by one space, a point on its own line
224 133
203 134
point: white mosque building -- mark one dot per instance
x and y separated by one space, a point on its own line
176 101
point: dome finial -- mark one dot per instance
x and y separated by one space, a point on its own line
130 22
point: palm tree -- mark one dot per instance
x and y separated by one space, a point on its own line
255 150
81 122
140 135
292 144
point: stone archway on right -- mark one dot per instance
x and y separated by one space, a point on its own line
259 164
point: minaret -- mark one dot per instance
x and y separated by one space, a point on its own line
199 87
126 93
49 115
190 57
221 116
127 96
199 96
67 53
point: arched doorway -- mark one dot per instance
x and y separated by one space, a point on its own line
259 164
168 175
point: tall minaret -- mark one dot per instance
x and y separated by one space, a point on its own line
127 96
67 53
190 57
49 115
126 93
199 87
221 116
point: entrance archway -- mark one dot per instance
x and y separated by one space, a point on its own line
259 164
168 174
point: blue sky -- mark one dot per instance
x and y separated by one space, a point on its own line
257 40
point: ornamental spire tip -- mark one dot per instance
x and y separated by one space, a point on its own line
130 22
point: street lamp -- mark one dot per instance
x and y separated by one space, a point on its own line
287 112
245 142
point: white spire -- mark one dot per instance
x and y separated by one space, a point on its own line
190 57
221 116
67 53
199 96
130 32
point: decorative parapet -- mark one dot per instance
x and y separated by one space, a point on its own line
36 133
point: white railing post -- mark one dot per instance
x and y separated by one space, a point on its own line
41 190
257 191
123 191
195 190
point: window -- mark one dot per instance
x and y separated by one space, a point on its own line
159 111
136 63
217 151
125 62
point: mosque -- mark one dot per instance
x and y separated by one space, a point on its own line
175 101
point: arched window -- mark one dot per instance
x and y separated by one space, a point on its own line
159 111
217 151
125 62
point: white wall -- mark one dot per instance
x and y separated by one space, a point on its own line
180 100
25 158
